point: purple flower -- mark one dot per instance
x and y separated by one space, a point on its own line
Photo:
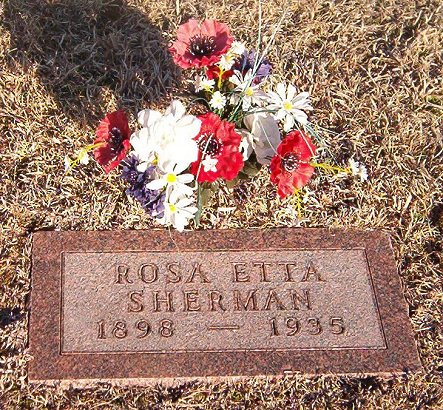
246 62
152 201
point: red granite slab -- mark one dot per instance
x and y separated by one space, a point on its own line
157 305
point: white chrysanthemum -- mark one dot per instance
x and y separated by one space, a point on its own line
218 101
166 137
170 177
179 210
288 105
249 93
358 169
262 136
203 83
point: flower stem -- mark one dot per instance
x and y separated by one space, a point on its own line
220 78
331 168
84 151
199 206
299 202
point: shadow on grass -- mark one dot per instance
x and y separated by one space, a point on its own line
86 49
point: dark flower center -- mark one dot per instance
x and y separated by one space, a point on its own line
290 162
200 46
210 145
132 177
116 139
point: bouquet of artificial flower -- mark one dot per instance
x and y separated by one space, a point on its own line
173 159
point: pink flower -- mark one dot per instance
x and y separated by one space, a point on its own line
200 45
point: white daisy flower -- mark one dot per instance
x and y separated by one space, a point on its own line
227 61
166 137
249 93
289 105
203 83
83 157
178 211
358 169
218 101
170 177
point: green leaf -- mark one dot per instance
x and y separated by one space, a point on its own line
205 191
205 196
243 177
231 184
251 168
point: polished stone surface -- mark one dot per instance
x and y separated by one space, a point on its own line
145 304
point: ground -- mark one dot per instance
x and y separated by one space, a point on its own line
374 69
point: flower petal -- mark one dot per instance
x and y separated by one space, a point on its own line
177 109
189 126
247 144
185 178
266 135
183 189
178 222
142 143
291 92
289 123
281 114
142 167
156 184
147 117
281 91
274 97
302 96
300 116
184 202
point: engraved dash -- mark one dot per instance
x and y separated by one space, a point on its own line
223 327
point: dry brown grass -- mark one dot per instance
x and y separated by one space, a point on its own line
375 71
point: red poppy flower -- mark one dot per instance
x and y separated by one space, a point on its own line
290 168
213 73
112 136
219 155
200 45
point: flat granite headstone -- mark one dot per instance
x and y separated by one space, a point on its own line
135 305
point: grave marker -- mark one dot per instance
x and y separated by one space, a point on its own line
148 305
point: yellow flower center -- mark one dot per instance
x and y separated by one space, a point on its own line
287 105
171 178
249 92
172 208
82 155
